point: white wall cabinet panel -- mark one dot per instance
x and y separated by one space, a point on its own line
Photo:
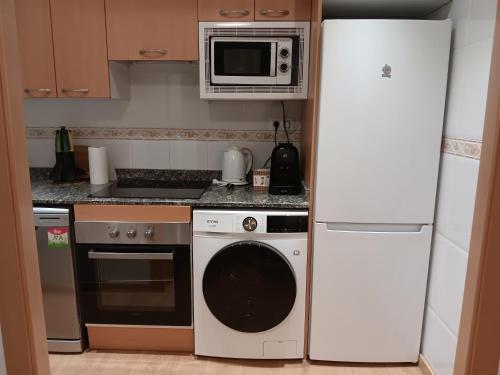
447 280
439 344
456 198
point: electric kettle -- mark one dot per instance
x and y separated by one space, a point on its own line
236 164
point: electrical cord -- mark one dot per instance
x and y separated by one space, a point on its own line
284 121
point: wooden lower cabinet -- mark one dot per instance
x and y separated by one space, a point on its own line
149 338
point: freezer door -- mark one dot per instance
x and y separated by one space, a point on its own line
382 99
368 292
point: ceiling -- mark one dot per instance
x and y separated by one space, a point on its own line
380 8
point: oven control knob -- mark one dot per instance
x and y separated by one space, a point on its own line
284 53
284 67
149 233
250 224
131 233
114 232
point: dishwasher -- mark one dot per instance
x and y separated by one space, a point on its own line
57 276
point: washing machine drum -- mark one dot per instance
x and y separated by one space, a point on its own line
249 286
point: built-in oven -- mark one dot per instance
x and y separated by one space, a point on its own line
134 273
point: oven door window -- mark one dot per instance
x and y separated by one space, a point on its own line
243 59
135 284
130 284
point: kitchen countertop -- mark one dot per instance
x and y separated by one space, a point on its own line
45 192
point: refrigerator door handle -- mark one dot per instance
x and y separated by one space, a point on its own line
375 228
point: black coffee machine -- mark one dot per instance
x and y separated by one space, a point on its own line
285 172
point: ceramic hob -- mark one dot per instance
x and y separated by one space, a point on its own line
132 188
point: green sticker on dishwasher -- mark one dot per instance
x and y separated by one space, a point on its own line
57 237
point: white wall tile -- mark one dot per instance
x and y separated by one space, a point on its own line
467 91
216 154
456 198
41 152
163 95
447 280
188 154
149 154
439 344
119 154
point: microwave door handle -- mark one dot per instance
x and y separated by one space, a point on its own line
274 57
124 256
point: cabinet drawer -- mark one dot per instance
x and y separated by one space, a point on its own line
138 213
152 29
226 10
282 10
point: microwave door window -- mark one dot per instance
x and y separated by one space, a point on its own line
242 59
135 285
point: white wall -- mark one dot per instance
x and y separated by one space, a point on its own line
163 95
471 56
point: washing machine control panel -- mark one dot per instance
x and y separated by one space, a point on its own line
250 222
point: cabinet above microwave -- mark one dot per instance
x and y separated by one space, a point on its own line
254 60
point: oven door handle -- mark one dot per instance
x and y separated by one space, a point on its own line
146 256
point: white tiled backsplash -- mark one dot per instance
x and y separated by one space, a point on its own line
163 96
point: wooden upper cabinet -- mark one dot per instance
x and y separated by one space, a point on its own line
152 29
283 10
226 10
79 33
35 46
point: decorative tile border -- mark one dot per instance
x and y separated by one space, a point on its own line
455 146
462 147
166 134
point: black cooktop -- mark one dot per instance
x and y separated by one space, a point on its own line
132 188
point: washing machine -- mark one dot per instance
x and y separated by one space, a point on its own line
249 283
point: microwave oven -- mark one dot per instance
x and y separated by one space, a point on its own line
251 61
254 60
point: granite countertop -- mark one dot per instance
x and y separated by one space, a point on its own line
45 192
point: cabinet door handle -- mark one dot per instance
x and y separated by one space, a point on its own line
160 51
234 13
75 91
275 12
41 91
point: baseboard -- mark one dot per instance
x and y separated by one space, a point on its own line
424 366
141 338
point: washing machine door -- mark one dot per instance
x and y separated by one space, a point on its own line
249 286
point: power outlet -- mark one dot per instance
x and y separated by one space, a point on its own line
293 126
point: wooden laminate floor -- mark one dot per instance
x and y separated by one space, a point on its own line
113 363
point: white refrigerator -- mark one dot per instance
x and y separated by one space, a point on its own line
381 109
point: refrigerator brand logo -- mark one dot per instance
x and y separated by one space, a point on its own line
386 71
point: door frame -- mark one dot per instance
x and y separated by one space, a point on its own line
21 308
478 346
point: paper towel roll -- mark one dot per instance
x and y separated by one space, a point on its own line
98 165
